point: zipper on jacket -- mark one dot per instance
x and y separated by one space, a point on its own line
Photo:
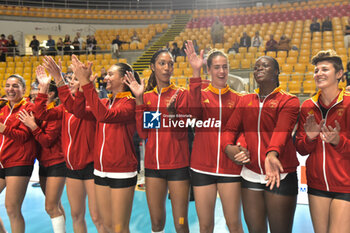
3 136
261 104
324 148
70 142
219 133
104 137
259 140
157 152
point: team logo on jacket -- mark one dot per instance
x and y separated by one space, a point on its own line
340 111
273 103
151 120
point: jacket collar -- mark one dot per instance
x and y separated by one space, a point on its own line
340 96
120 95
216 90
22 102
165 89
277 90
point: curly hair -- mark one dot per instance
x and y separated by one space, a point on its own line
330 56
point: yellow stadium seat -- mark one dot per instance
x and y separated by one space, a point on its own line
146 73
284 76
271 53
10 69
282 54
281 60
182 82
234 64
90 57
17 59
299 77
182 65
104 63
107 56
309 87
9 59
3 64
19 70
291 60
113 61
180 59
283 85
188 72
122 60
178 72
10 64
310 68
246 63
293 53
2 70
300 68
287 68
304 59
294 87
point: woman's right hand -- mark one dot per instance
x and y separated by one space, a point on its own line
43 79
195 61
312 129
134 86
53 68
238 154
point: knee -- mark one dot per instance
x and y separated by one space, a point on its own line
206 227
52 209
77 216
13 209
157 226
95 218
235 227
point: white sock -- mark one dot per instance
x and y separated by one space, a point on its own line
58 224
158 231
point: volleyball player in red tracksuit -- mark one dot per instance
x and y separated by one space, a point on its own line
266 119
77 143
17 151
115 172
167 152
211 170
324 133
52 171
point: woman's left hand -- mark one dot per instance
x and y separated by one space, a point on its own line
330 135
27 119
273 168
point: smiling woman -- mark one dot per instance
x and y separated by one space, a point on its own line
17 151
269 181
323 132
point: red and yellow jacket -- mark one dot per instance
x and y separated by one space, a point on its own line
214 105
17 145
166 147
267 126
328 166
48 134
114 149
77 135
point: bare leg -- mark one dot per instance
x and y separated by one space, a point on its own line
319 210
339 221
2 186
205 198
230 195
280 211
156 192
254 210
95 216
76 196
122 199
179 191
103 198
15 192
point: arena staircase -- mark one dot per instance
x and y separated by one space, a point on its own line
178 25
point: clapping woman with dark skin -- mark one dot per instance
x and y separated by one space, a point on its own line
269 181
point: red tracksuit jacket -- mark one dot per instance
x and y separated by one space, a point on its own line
48 134
114 149
77 135
328 166
211 103
17 145
166 148
266 126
